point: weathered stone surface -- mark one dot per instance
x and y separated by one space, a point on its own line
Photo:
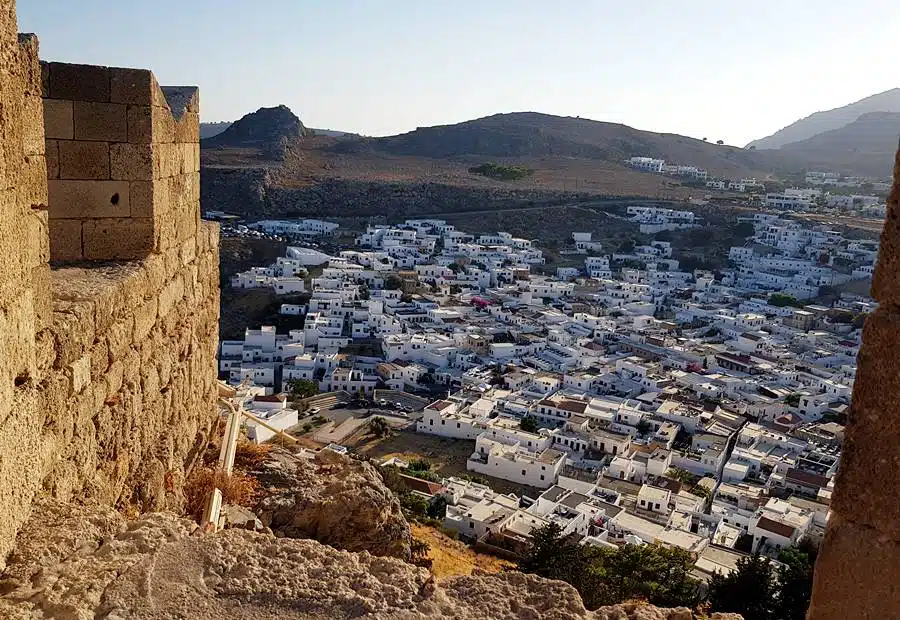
79 82
65 240
335 500
154 568
117 239
101 121
59 120
886 278
89 199
83 160
870 455
134 86
859 568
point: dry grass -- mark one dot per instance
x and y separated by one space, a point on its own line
450 558
249 455
237 488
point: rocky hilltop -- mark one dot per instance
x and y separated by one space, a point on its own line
85 563
272 131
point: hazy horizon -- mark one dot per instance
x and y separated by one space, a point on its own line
735 73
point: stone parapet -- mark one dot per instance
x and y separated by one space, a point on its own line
124 162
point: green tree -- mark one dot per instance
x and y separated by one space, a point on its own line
795 579
302 388
437 509
743 230
554 556
780 300
604 576
749 590
529 424
379 427
627 246
393 282
792 400
643 427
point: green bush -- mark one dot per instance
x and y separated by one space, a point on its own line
502 172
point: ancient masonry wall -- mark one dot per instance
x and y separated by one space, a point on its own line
107 372
858 570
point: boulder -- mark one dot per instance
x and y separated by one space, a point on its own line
334 499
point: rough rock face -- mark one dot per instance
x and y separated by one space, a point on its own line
84 564
336 500
269 129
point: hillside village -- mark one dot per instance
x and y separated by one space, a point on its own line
629 401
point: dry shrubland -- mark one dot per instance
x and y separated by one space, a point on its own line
237 488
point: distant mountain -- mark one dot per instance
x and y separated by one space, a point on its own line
865 146
271 131
208 130
534 135
888 101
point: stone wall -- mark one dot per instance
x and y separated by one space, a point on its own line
858 570
118 160
107 378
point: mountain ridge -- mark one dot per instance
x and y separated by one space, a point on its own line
827 120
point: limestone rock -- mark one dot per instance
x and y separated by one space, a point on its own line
334 499
154 568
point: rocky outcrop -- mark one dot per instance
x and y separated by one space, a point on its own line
77 563
271 130
333 499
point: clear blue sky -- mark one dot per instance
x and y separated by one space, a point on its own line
723 69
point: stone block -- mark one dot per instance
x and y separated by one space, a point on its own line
119 339
140 124
81 373
117 238
857 574
187 130
65 240
59 119
163 125
89 199
131 162
40 286
83 160
32 186
144 320
132 86
870 459
170 295
37 235
187 158
51 149
29 63
79 82
73 328
101 121
33 125
45 80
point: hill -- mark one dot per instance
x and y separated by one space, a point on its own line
529 135
820 122
866 146
208 130
270 131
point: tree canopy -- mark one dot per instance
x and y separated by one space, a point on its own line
605 576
